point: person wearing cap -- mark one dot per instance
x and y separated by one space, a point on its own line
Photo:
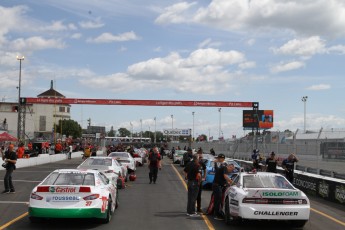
256 158
202 170
187 156
221 180
10 157
271 163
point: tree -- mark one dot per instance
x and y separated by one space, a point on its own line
69 128
123 132
112 132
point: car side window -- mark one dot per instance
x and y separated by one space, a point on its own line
103 178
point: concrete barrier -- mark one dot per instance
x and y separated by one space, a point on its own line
46 158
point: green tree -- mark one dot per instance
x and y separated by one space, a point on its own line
123 132
112 132
69 128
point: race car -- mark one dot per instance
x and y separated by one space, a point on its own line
210 170
74 193
108 165
265 196
125 159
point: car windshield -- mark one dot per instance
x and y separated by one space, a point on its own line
266 181
97 162
118 154
70 178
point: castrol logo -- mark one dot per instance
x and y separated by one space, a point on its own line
62 190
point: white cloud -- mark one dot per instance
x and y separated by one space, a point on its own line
157 49
206 68
319 87
208 43
97 23
317 17
283 67
251 42
302 47
36 43
247 65
58 26
76 36
176 13
339 49
108 37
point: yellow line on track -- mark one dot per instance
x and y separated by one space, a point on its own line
13 221
328 216
207 221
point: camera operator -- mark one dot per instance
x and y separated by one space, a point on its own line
10 159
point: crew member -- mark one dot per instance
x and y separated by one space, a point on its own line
154 163
202 170
10 159
288 166
193 175
271 163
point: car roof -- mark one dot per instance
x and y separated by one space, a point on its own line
75 170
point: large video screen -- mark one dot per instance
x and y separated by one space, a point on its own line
262 120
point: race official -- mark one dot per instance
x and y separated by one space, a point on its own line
10 158
221 180
193 175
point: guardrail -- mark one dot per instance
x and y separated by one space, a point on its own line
328 188
45 158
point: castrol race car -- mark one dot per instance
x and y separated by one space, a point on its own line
265 196
74 193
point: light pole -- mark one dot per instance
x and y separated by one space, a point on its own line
155 130
19 131
304 99
220 122
141 129
172 125
193 125
131 130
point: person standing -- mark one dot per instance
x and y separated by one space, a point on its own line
288 165
202 170
193 176
70 149
154 163
271 163
10 158
187 156
256 158
221 179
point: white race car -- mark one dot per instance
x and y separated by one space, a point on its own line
74 193
265 196
126 159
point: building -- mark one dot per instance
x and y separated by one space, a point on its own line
40 119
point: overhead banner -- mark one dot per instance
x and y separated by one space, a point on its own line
177 132
263 119
33 100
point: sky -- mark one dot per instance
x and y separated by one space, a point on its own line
269 51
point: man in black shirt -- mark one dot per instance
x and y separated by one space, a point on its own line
193 176
202 170
288 165
221 180
271 163
10 157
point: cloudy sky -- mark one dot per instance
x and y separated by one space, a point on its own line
269 51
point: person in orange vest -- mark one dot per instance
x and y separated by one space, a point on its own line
20 150
58 148
30 146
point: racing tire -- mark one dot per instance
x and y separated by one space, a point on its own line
117 200
298 223
109 214
35 220
230 220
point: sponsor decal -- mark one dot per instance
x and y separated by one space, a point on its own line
340 193
104 204
323 189
62 189
288 193
234 202
274 213
305 184
62 198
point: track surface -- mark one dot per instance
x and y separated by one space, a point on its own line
143 205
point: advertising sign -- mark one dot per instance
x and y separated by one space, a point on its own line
177 132
262 119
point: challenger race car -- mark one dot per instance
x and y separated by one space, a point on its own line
265 196
74 193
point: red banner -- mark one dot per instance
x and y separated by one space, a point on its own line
33 100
